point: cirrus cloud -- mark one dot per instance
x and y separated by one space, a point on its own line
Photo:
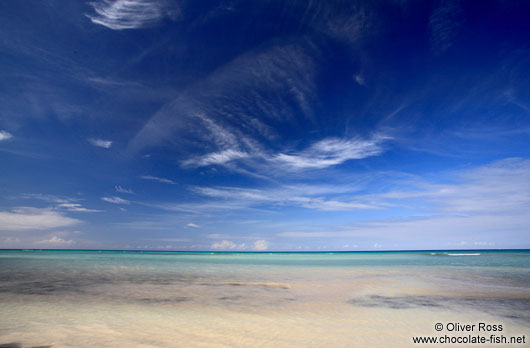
27 218
330 152
131 14
115 200
155 178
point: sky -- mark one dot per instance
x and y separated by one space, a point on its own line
264 125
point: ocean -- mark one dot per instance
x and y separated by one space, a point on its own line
201 299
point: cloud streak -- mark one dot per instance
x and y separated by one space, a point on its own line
48 198
115 200
155 178
220 157
28 219
60 203
331 152
75 207
324 198
131 14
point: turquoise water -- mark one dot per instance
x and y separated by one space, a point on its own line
488 258
93 294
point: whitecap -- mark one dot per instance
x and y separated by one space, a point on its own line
477 254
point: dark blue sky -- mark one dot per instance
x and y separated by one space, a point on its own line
264 125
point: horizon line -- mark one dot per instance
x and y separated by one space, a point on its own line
267 252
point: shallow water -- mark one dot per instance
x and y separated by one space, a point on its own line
164 299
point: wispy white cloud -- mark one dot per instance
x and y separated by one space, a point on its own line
320 197
198 208
235 193
106 144
330 152
60 202
217 158
131 14
75 207
5 135
115 200
48 198
192 225
113 82
155 178
123 190
27 219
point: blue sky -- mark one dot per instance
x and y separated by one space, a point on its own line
264 125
